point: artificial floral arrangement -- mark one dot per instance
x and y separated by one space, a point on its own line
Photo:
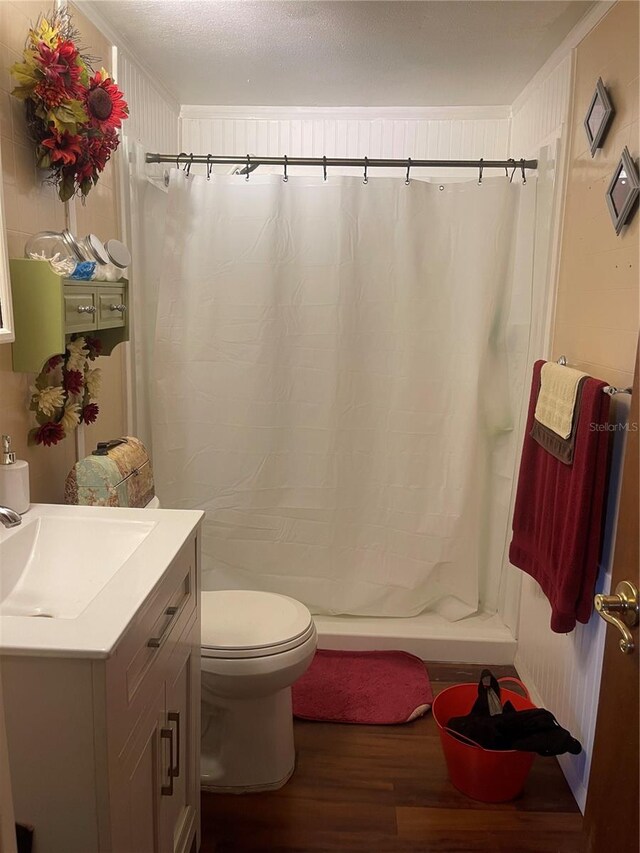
72 113
64 391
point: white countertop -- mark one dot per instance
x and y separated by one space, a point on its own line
96 630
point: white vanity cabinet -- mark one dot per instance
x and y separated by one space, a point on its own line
105 752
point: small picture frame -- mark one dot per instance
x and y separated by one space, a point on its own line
598 117
623 191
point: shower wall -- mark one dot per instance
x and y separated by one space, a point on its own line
429 133
154 124
541 110
154 116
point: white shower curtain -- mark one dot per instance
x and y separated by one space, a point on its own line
336 374
145 206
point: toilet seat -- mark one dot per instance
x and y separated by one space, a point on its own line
252 624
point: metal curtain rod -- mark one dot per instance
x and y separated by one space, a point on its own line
608 389
246 160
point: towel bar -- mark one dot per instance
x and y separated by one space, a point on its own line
608 389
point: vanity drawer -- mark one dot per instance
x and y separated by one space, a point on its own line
111 307
80 310
139 662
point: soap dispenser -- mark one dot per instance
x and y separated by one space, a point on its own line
14 479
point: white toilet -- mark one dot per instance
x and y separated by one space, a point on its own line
254 646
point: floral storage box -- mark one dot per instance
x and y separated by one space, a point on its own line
118 473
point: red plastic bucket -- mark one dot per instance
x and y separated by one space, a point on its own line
488 775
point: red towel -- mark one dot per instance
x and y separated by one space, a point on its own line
558 516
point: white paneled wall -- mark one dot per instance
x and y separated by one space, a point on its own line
427 133
154 121
541 111
154 117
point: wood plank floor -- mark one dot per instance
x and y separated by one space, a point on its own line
384 789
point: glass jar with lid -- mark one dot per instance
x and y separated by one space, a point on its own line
119 254
119 258
93 249
60 248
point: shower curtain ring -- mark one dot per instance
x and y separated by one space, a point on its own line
513 171
524 177
407 179
248 167
506 170
324 168
366 165
181 154
209 167
480 169
189 164
286 177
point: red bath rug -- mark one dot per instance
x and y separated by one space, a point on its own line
374 688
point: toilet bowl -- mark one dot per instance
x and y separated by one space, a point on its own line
254 646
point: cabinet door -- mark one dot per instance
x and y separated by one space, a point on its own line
180 811
80 309
111 307
142 775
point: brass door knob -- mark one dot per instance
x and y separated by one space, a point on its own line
621 610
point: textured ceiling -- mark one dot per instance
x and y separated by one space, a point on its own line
353 53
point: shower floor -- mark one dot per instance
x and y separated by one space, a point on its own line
479 639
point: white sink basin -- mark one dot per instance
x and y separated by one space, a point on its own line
88 568
55 565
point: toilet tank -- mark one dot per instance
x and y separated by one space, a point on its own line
117 473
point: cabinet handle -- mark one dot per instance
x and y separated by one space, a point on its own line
86 309
174 717
121 308
167 790
156 642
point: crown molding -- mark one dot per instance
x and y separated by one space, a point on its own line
279 113
582 29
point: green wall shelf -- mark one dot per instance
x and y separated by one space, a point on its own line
48 308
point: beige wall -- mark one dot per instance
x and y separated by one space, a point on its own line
32 206
596 324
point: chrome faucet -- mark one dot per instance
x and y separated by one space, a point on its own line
9 517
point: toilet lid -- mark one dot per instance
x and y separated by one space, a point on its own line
246 623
